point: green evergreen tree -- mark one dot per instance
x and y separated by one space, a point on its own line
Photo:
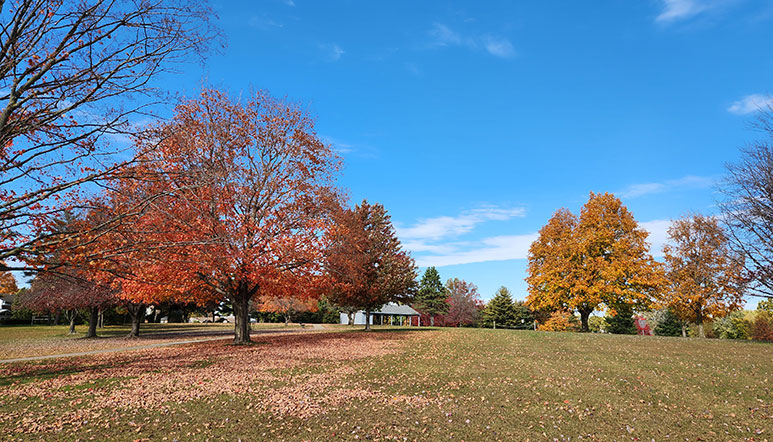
524 318
431 297
670 325
500 311
622 323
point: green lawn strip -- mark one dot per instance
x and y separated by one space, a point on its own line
476 384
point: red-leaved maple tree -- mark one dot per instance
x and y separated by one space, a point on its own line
365 262
247 186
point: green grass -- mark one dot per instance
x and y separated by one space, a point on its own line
442 384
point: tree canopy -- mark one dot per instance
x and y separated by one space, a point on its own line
599 259
704 273
365 264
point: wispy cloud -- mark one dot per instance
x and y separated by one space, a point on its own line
684 183
500 47
263 22
452 226
288 2
332 51
443 36
338 145
508 247
658 230
494 248
750 104
675 10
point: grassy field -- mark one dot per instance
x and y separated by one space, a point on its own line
401 384
18 341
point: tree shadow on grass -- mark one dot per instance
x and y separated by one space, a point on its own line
169 358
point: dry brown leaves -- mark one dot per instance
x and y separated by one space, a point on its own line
278 373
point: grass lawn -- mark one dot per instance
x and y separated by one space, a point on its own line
428 384
18 341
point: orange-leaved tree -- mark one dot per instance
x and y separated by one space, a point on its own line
365 263
249 187
705 276
7 283
287 306
600 259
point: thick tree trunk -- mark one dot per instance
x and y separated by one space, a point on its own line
137 313
367 320
241 303
684 331
351 318
93 318
584 316
287 319
57 317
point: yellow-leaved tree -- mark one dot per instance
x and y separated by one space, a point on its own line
705 276
600 259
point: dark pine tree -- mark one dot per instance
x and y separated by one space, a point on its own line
431 297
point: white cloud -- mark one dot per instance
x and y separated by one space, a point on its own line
263 22
687 182
675 10
750 104
658 230
495 248
289 2
332 51
338 145
500 47
448 226
508 247
443 36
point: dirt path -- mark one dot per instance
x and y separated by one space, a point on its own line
221 335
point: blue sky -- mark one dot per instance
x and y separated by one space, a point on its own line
472 122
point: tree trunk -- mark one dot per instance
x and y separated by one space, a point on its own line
701 333
241 303
432 321
351 318
74 314
100 322
684 331
367 320
137 313
93 318
287 319
584 315
48 318
57 317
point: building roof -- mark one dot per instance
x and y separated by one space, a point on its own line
394 309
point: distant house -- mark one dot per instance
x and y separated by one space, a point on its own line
389 314
5 307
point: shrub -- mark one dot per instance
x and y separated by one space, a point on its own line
597 324
733 326
558 321
762 327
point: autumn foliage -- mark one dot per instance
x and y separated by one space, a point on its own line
365 264
599 259
705 276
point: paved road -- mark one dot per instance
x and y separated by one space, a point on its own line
220 336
